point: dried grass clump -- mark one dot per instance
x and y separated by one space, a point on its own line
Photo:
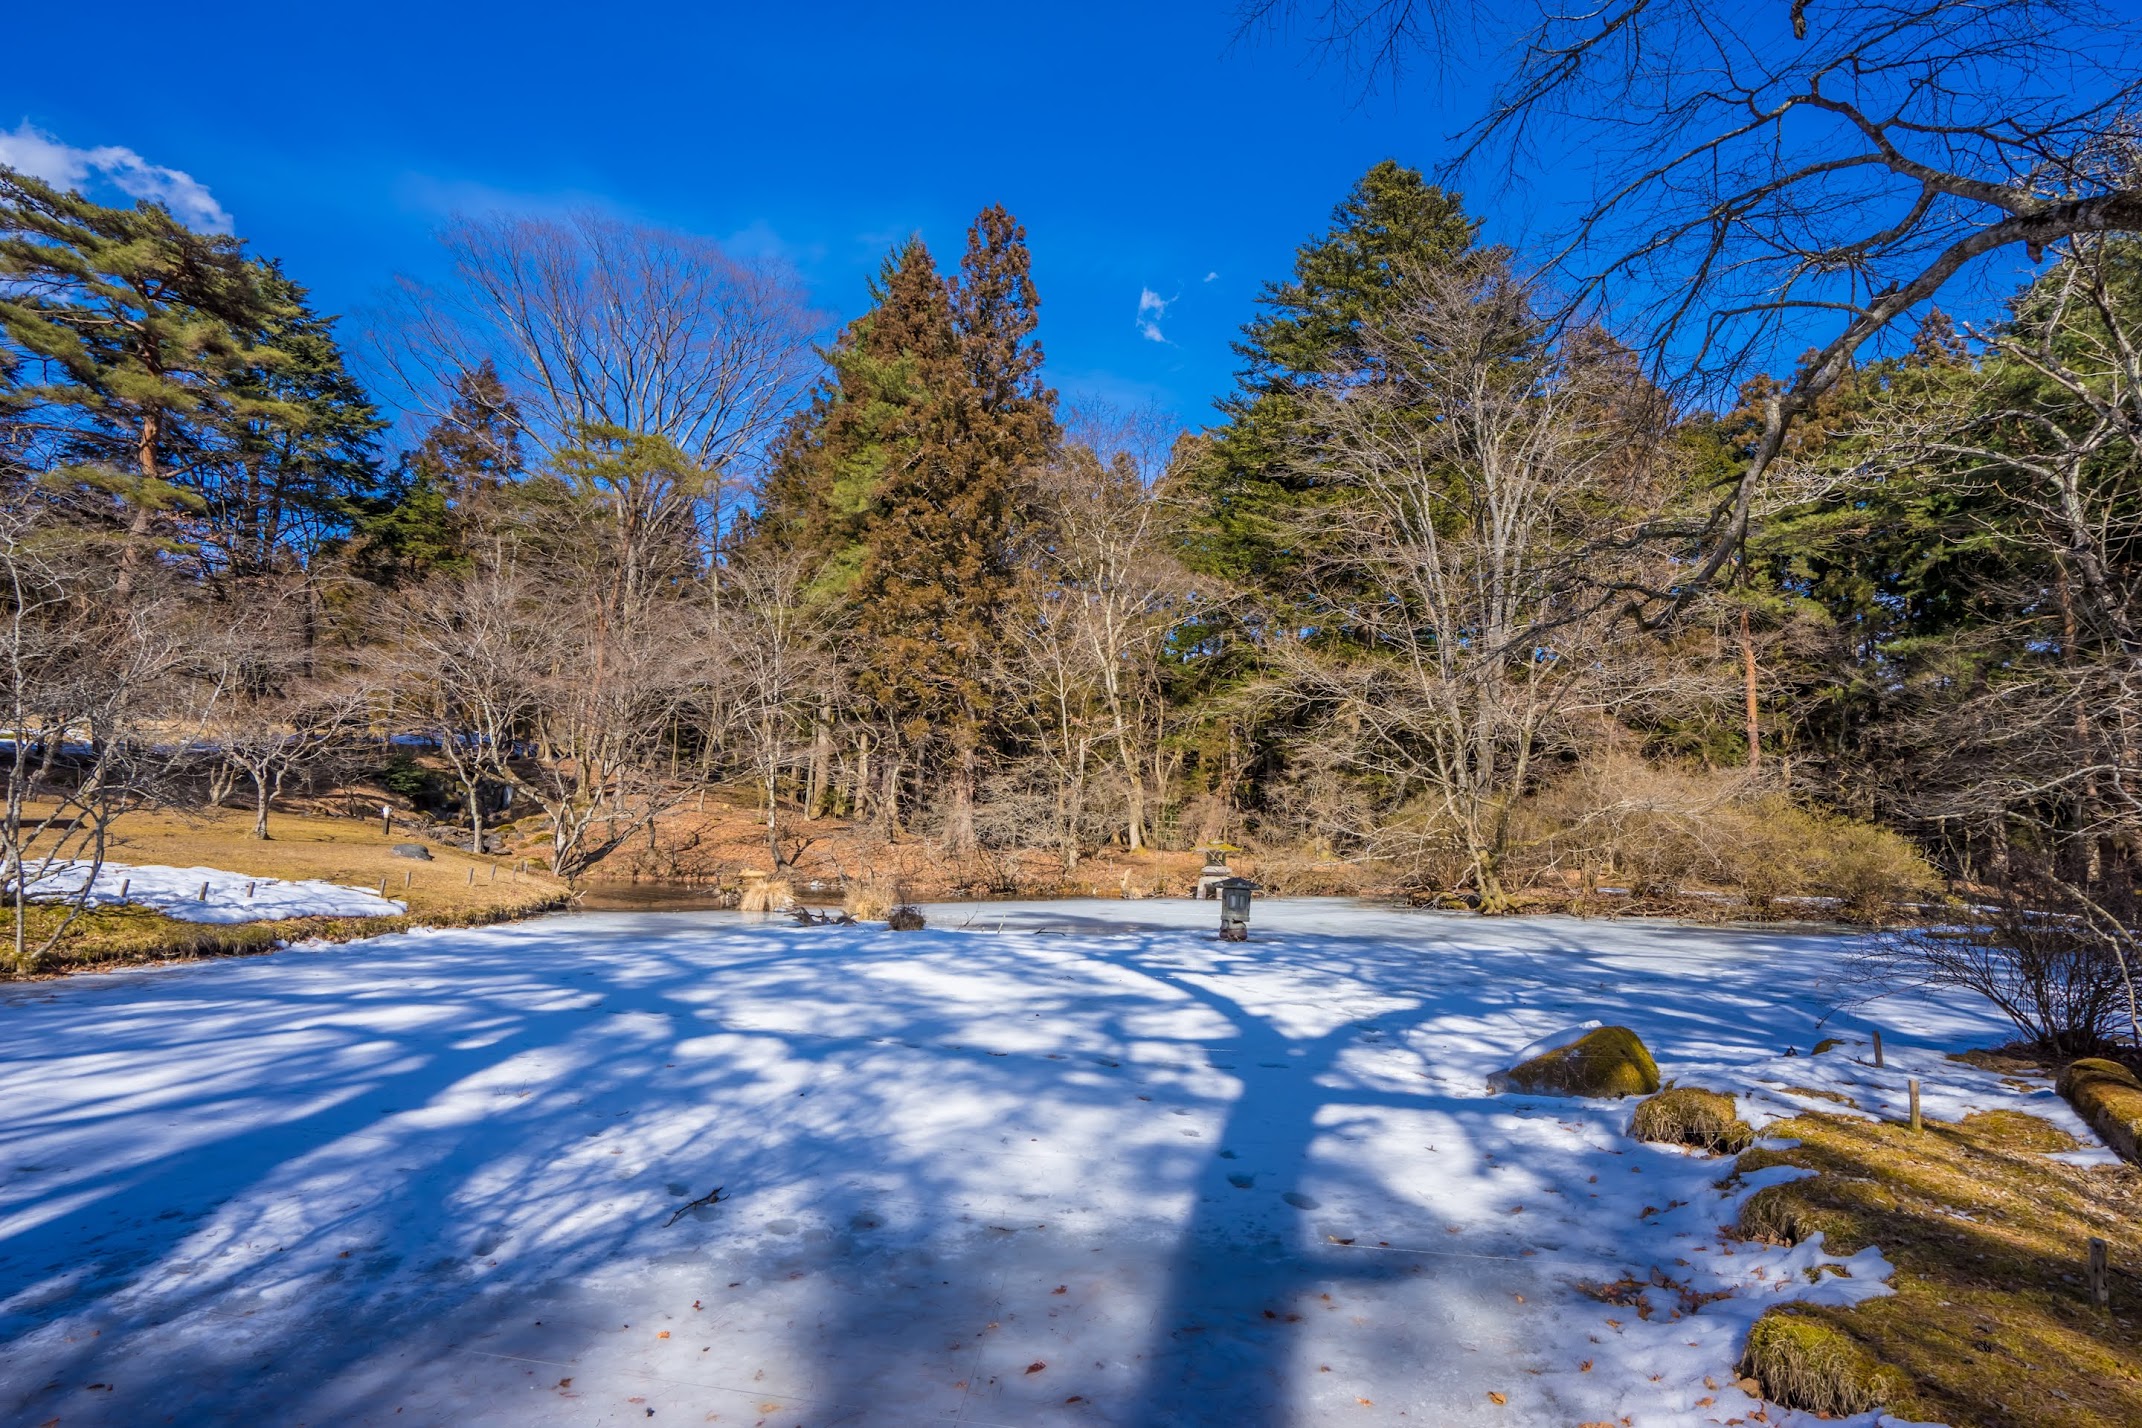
905 918
1689 1115
764 894
1774 1215
1803 1363
868 901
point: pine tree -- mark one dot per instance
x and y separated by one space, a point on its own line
303 452
128 337
939 564
1248 489
832 462
443 491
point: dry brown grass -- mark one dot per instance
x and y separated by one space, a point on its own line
1689 1115
454 889
1990 1323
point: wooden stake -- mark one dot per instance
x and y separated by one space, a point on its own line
204 894
382 887
2100 1275
1877 1048
1915 1105
406 877
249 890
472 875
124 884
494 873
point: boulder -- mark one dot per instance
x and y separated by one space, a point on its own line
411 850
2109 1097
1606 1061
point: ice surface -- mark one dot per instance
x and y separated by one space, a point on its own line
229 897
1074 1163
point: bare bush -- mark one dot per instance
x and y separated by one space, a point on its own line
1484 480
2040 950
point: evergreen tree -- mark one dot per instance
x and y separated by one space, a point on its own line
1248 488
445 489
939 565
129 339
863 421
301 455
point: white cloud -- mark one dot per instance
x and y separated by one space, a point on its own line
1151 308
1210 276
30 150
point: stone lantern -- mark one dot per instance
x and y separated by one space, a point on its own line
1234 908
1215 870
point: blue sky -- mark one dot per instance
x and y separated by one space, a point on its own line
1147 151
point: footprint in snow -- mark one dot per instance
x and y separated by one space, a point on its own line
1302 1202
1242 1180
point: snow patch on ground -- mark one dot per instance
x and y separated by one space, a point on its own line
207 894
1041 1164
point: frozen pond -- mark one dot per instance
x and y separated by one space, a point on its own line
1067 1163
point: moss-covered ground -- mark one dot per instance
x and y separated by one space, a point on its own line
1991 1323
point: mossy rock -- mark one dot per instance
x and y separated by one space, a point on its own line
1804 1363
2107 1095
1690 1115
1610 1061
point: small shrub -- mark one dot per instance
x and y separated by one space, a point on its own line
402 776
1610 1061
2033 950
1803 1363
1689 1115
905 918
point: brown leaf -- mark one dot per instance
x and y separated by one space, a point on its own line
663 1335
1036 1366
1585 1367
1061 1289
1494 1397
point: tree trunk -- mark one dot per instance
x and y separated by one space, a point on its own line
959 823
1747 664
821 782
474 789
139 524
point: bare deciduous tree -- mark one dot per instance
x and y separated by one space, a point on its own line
594 322
1802 173
85 676
771 654
1486 476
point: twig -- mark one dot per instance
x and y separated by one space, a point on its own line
712 1197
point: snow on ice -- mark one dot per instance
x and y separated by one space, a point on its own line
229 897
1055 1163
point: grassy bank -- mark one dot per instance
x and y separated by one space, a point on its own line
1991 1323
453 889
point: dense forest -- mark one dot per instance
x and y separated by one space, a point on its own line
1440 601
